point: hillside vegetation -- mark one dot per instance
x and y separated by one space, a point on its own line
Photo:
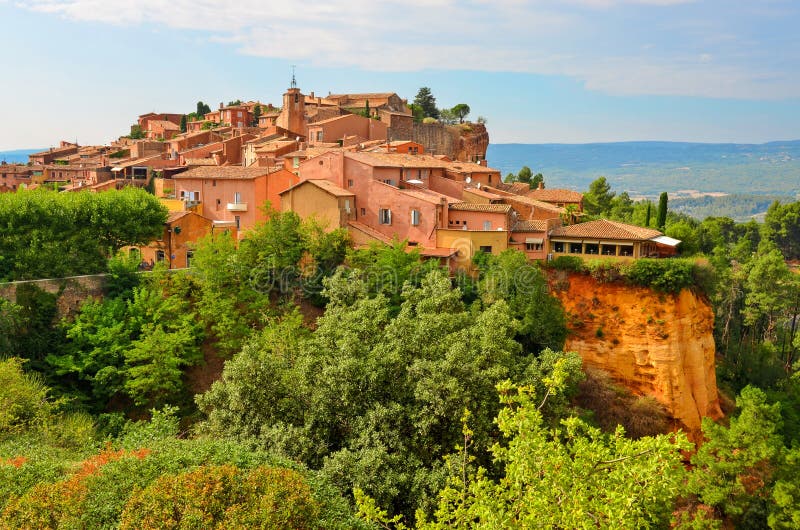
416 399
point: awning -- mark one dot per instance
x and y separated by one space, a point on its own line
668 241
534 240
115 169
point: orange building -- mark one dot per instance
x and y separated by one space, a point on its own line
233 194
181 231
337 129
331 205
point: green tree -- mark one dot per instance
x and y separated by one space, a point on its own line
734 469
256 115
536 180
782 226
511 277
571 477
183 123
202 109
597 201
661 217
47 235
461 111
647 215
427 103
447 116
137 133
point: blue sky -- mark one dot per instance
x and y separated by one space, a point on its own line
540 71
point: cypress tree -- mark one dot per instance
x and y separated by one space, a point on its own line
662 211
647 215
183 123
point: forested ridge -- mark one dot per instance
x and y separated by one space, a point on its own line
414 400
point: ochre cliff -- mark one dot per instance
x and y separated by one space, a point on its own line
654 344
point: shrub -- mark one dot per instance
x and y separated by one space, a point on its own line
668 275
568 263
223 497
23 399
605 271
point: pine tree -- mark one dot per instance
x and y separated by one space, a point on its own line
427 102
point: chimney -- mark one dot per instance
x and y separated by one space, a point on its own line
541 186
311 94
220 105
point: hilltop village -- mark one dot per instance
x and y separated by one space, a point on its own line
355 161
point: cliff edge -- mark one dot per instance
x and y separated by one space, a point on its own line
652 343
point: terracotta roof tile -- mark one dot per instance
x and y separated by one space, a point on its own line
555 195
605 229
397 160
466 207
532 225
224 172
325 185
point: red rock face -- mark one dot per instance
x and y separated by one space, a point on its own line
654 344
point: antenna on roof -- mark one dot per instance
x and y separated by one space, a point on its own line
294 81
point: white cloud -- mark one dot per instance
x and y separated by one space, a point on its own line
539 36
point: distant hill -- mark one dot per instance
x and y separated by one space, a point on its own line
648 168
19 156
752 174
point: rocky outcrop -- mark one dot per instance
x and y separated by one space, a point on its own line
467 142
652 343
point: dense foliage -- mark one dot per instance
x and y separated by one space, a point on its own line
52 235
371 377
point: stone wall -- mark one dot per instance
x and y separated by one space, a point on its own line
466 143
71 291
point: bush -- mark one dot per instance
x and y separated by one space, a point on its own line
23 399
568 263
667 275
605 271
223 497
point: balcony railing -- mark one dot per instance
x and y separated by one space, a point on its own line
237 207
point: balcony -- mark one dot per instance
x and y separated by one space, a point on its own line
237 207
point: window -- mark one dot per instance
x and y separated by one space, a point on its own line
349 183
531 247
575 248
295 161
238 221
487 225
218 203
558 246
626 250
390 182
239 114
189 256
608 250
319 136
486 248
237 198
385 216
490 179
363 211
214 183
160 255
414 217
347 205
592 248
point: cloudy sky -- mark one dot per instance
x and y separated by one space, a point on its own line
539 70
